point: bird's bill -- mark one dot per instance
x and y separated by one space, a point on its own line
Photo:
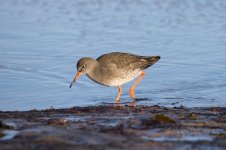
78 74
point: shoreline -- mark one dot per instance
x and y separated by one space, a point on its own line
112 127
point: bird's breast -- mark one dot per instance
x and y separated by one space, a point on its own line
123 77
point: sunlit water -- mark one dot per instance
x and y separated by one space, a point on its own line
41 41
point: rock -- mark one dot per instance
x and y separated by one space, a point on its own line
163 119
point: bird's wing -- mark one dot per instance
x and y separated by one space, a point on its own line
121 60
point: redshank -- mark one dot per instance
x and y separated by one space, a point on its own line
115 69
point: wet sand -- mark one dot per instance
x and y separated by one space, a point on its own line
112 127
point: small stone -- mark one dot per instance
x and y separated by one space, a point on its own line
192 116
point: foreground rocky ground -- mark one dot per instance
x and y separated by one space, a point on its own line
111 127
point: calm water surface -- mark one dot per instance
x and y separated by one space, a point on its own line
41 41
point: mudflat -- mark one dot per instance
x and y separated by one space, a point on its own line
112 127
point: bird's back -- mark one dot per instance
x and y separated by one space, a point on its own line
127 60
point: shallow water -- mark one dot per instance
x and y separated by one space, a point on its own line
9 134
41 41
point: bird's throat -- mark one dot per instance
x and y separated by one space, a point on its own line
95 74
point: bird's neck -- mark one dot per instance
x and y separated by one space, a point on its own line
95 74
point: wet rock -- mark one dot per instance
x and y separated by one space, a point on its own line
221 135
5 125
163 119
58 122
1 134
148 122
110 127
192 116
114 130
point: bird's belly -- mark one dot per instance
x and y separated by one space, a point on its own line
124 78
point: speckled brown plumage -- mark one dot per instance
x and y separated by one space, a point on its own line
127 60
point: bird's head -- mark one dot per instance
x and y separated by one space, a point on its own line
84 65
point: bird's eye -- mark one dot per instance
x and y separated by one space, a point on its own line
83 66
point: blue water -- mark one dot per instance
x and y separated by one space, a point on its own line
41 41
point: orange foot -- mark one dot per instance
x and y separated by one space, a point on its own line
132 104
118 104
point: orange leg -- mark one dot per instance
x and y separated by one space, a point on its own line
135 84
119 93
